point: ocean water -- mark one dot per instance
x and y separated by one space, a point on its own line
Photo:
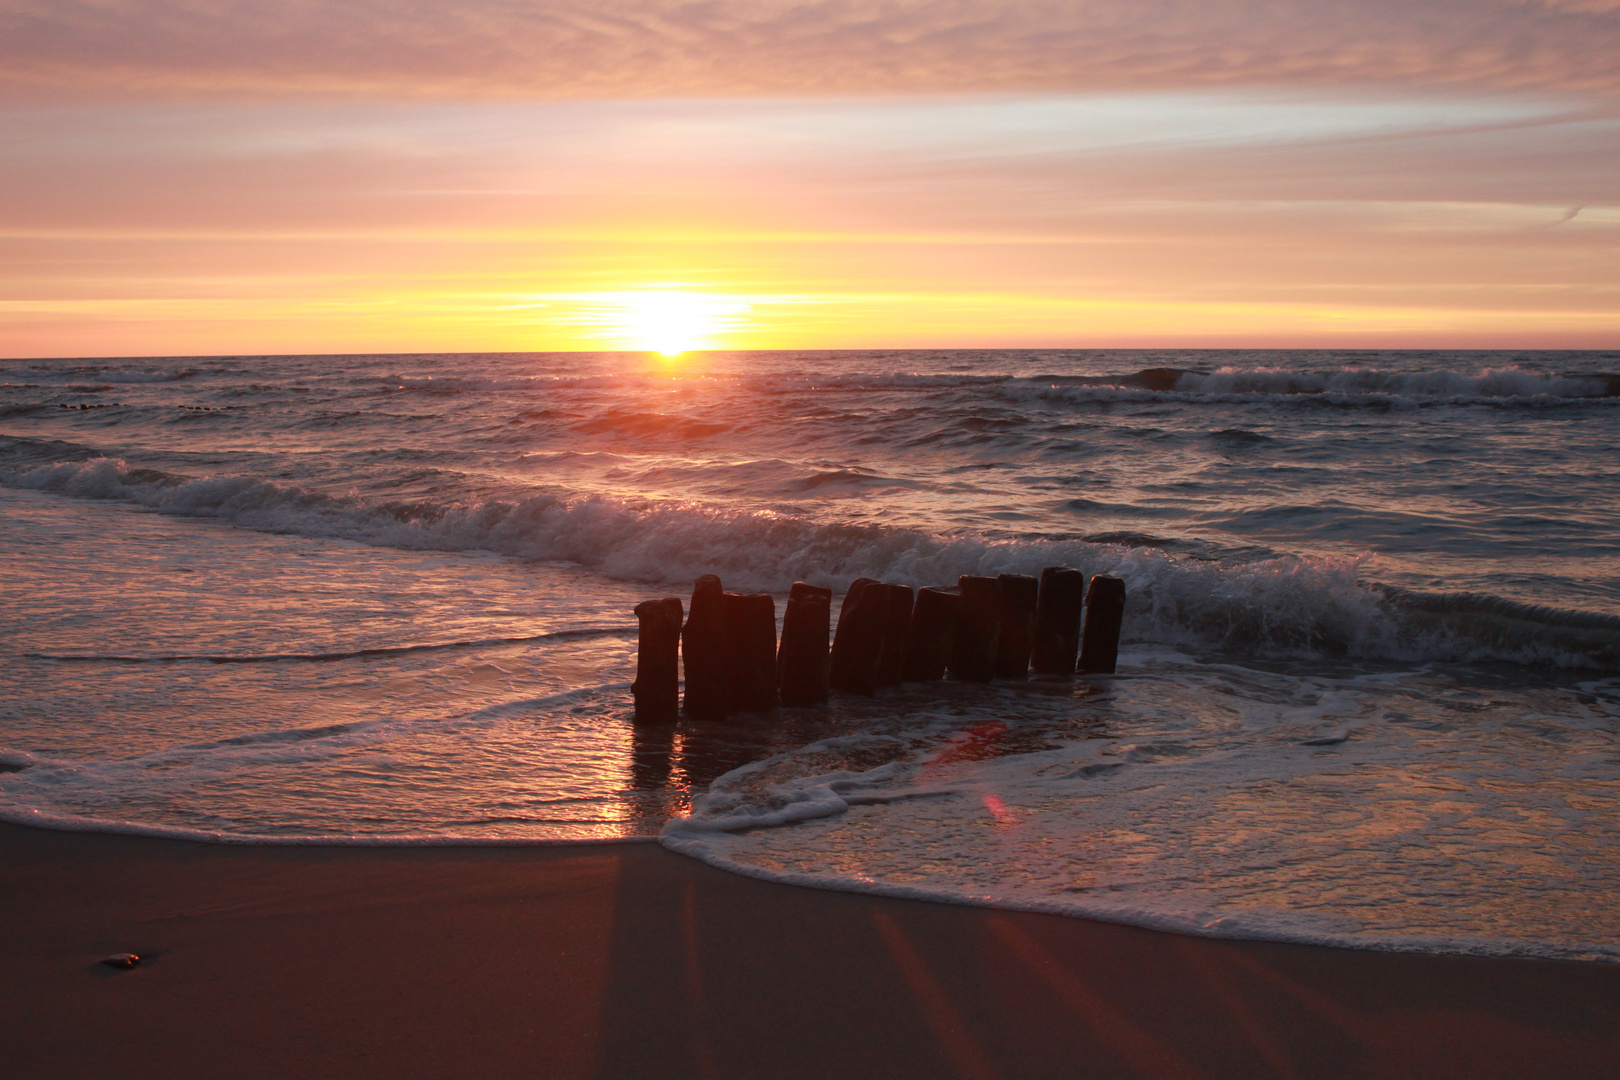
1369 692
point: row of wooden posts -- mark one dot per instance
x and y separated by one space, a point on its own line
979 629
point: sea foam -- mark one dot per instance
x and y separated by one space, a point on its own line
1284 606
1222 802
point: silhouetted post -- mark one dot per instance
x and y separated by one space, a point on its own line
803 657
750 652
858 643
1105 610
1019 594
978 628
1057 621
842 652
896 629
657 685
703 649
854 594
933 626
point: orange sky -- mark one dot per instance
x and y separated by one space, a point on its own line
206 178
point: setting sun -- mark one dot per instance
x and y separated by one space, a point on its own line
670 322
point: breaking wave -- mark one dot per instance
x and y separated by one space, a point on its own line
1280 606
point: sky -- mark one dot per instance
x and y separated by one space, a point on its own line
207 177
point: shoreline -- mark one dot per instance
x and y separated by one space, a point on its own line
1429 945
628 960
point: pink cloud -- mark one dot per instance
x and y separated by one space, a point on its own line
657 48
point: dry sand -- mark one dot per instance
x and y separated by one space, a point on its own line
629 961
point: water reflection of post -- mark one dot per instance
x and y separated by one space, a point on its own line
651 749
708 751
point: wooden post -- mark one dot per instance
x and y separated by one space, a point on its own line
978 629
703 649
750 656
858 643
933 625
843 653
1105 610
1057 621
854 594
802 658
1019 593
657 685
896 629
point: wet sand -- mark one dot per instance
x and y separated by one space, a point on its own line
629 961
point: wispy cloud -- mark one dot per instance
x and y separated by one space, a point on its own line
1018 220
661 48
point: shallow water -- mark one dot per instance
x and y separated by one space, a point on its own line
1462 809
1369 691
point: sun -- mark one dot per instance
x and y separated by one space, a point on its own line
670 322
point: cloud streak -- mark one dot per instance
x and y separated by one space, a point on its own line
547 49
1097 219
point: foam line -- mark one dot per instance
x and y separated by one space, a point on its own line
69 823
1281 607
396 650
1195 924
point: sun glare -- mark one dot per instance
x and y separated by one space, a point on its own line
670 322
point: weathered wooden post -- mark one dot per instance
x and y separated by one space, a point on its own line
703 648
750 652
1057 621
842 656
802 658
858 642
1105 610
978 628
933 626
657 685
853 595
896 629
1019 593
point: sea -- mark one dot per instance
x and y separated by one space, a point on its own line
1368 696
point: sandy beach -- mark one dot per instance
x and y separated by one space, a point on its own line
630 961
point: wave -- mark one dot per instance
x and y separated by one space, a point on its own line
941 872
1476 626
765 381
1349 387
94 375
1508 382
1486 384
41 819
325 657
1283 606
46 790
